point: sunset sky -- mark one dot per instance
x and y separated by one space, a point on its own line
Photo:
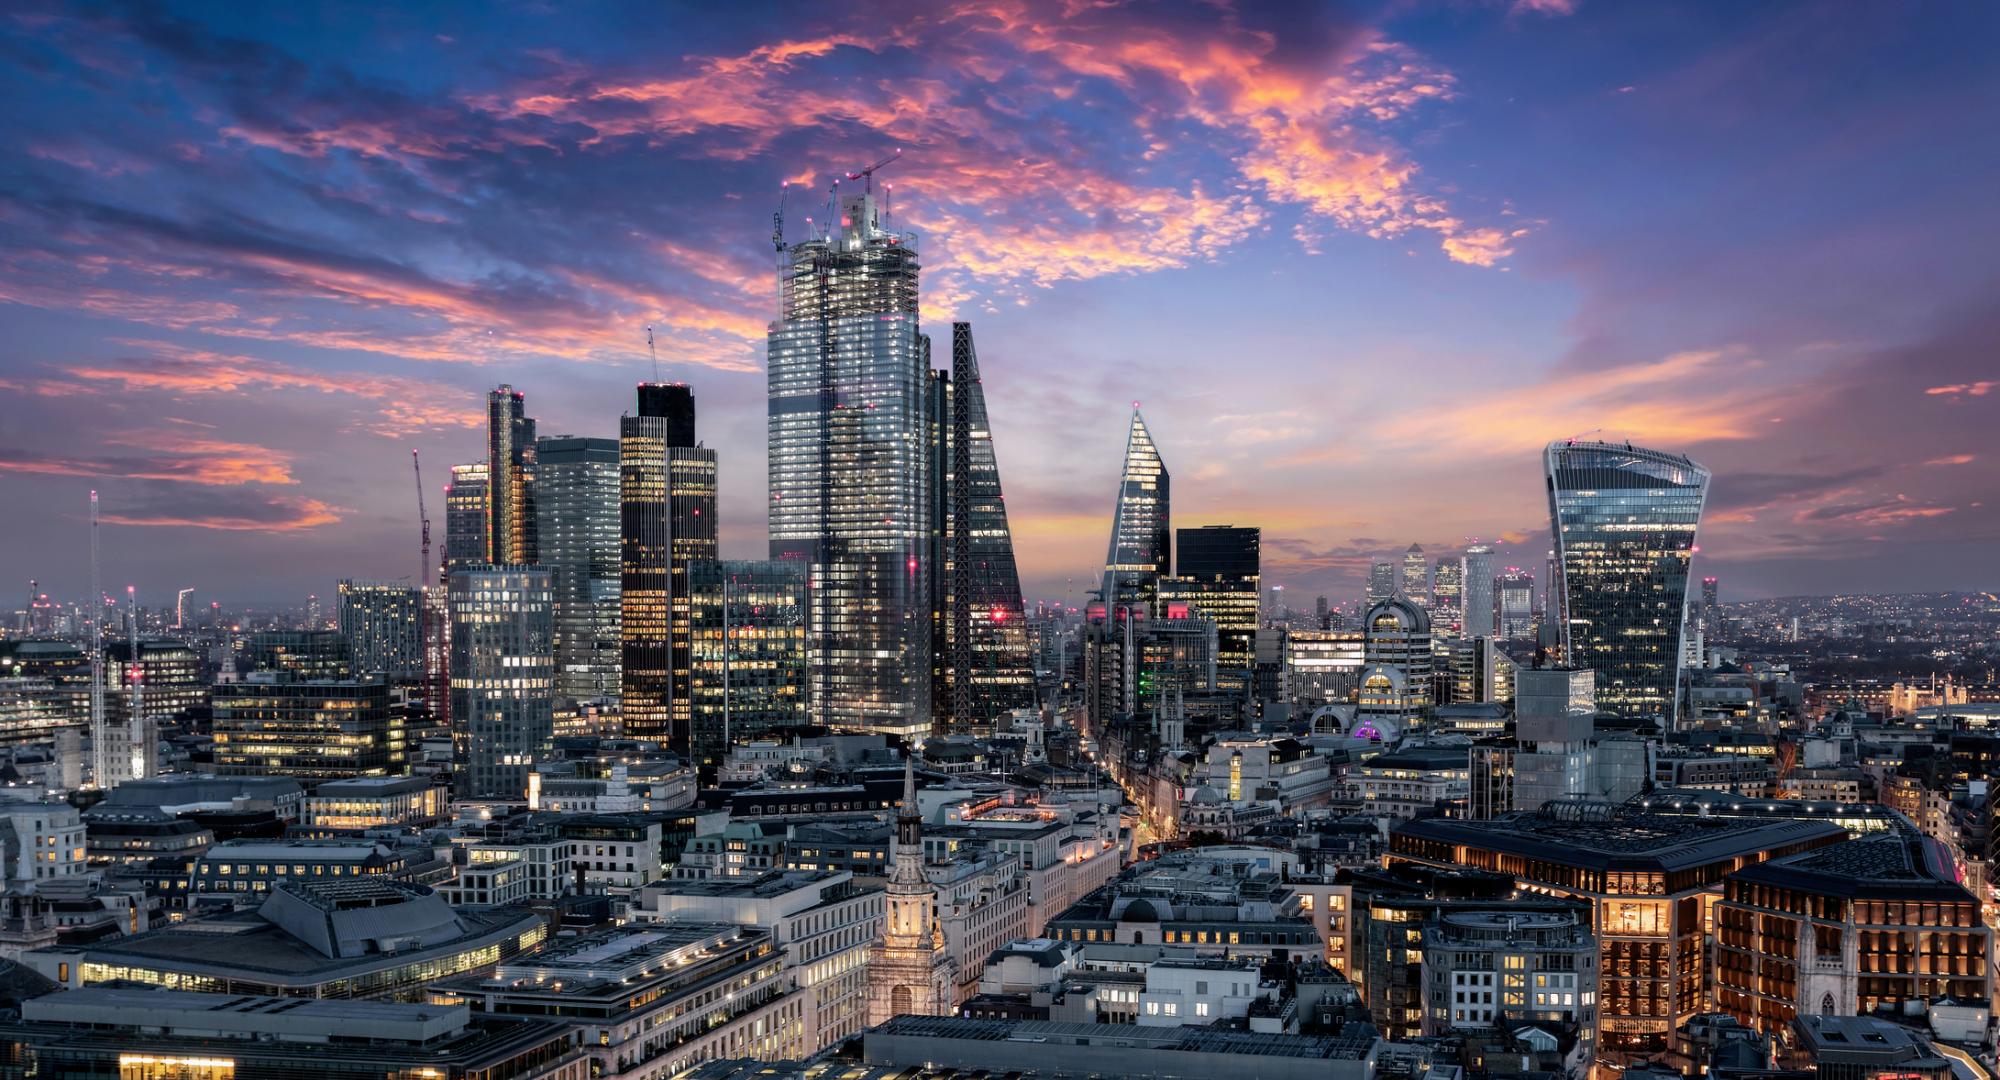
1359 264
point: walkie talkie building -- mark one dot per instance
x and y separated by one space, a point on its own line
1624 521
849 473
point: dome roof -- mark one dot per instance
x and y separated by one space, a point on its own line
1140 910
1397 615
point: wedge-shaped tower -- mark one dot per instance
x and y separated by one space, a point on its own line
984 666
1141 542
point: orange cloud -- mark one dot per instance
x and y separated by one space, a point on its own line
1952 459
1973 389
295 515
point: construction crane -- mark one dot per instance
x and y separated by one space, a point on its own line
778 219
867 175
424 519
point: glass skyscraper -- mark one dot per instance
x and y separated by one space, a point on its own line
576 502
510 480
1476 592
383 623
666 523
982 628
1141 550
850 494
1416 580
465 518
502 676
1218 579
748 672
1624 523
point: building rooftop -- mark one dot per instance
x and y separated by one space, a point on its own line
365 786
1889 866
770 884
1354 1044
1620 839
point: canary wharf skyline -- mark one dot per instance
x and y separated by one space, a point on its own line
1358 264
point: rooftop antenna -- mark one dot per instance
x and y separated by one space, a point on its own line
100 749
654 353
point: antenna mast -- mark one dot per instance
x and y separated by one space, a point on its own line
100 751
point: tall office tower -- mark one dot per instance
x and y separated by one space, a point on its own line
1624 521
1711 609
465 517
1322 613
577 527
1141 539
849 473
383 625
1381 582
1447 595
1416 580
1475 617
502 677
982 634
510 466
1515 601
666 523
748 673
1219 579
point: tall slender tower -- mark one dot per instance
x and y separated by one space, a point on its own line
666 522
510 465
1624 522
910 971
502 674
577 503
1476 581
984 661
465 518
849 469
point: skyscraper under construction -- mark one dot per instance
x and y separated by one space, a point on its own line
849 470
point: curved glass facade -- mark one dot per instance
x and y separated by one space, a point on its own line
1624 524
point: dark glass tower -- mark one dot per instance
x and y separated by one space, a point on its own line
1624 521
666 522
510 467
982 629
850 486
1218 578
1141 550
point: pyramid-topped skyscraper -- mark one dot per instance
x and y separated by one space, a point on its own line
1141 538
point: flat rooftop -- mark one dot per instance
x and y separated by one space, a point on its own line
1625 840
1884 866
1209 1040
773 883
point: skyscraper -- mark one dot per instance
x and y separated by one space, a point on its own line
465 517
1447 595
1219 579
849 472
1141 551
666 522
1416 580
1624 522
510 467
982 630
577 507
502 677
1381 582
1711 609
1476 580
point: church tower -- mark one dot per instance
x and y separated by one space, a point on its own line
910 972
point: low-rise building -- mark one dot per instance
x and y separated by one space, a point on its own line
155 1034
650 1001
1402 784
376 801
39 841
243 871
1056 1048
1483 968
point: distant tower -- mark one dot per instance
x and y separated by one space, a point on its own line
910 972
1141 550
465 518
1476 581
510 464
1381 582
1624 522
1448 595
1416 581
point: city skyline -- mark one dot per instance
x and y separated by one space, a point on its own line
249 378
